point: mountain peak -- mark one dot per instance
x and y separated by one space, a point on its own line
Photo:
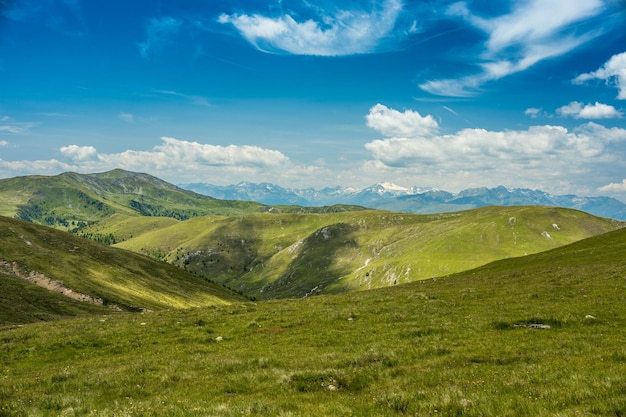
387 188
422 200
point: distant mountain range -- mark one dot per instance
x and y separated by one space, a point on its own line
70 201
388 196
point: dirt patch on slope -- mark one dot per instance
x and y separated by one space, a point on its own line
53 285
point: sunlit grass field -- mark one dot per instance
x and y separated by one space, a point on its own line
535 336
120 279
269 256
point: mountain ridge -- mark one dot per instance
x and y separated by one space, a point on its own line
89 277
70 201
296 255
419 200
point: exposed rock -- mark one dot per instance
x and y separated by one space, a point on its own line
534 326
53 285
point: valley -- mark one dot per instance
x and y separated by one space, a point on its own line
268 256
536 335
230 308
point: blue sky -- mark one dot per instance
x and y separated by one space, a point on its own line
448 94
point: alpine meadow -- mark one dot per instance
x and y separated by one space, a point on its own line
491 311
284 208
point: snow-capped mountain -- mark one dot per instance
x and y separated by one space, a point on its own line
264 192
415 199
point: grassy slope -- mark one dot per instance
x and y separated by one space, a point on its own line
70 200
450 346
22 302
277 256
62 199
116 276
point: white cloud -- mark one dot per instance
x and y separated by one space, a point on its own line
391 122
3 143
176 160
613 72
180 154
538 157
531 22
480 148
598 110
51 166
193 99
215 155
7 124
533 31
532 112
78 153
613 187
343 32
607 135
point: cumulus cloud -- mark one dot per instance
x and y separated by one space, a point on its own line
598 110
480 148
78 153
51 166
606 135
3 143
531 32
332 33
172 158
533 112
538 156
613 72
215 155
180 161
181 153
614 187
409 123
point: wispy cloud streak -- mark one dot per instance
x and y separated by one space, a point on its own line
613 72
193 99
7 124
159 32
533 31
342 32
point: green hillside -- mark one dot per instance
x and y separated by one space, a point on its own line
22 302
287 255
71 201
97 274
541 335
68 200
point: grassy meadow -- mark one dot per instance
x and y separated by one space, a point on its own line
268 256
72 201
541 335
119 279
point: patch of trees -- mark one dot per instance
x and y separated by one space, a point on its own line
30 213
146 209
92 203
105 239
34 213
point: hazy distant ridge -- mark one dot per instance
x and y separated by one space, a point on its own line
412 200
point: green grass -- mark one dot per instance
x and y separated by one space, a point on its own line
294 255
73 202
453 346
22 302
117 277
